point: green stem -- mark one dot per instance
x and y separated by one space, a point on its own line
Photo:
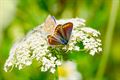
56 74
1 36
108 39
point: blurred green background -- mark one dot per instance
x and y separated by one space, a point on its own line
17 17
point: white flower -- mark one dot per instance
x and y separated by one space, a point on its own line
35 46
52 70
68 71
89 37
76 22
58 62
77 48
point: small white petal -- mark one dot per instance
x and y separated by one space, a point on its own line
77 48
92 52
52 70
58 62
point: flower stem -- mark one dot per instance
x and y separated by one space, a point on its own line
1 36
56 74
108 39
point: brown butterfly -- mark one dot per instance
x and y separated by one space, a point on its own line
61 34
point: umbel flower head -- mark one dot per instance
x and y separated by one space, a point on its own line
49 40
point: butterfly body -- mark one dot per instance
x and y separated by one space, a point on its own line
61 34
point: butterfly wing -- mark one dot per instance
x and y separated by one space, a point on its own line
58 33
61 34
50 24
52 40
67 29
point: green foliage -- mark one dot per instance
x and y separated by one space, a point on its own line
30 13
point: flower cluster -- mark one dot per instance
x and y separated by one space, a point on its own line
35 46
88 37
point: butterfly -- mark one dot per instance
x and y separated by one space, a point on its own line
61 34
